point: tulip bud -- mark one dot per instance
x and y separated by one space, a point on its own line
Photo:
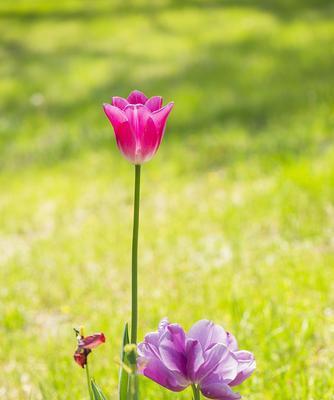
139 124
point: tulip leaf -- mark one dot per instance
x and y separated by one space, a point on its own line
97 392
123 375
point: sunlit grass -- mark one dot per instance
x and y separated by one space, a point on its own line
237 207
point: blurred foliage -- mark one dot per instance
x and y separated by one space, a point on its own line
237 207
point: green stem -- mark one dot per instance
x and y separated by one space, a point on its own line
196 392
133 390
89 382
134 316
136 387
134 279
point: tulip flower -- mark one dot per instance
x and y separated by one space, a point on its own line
139 124
85 346
207 358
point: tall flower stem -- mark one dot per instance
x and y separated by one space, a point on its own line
89 382
196 392
134 274
134 290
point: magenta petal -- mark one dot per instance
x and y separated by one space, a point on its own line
154 103
137 115
115 115
160 117
124 137
137 97
126 141
149 142
143 130
246 366
160 374
119 102
207 333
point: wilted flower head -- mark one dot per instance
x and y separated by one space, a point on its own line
206 356
85 346
139 124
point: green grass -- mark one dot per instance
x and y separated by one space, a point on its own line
237 217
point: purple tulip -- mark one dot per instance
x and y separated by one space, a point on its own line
139 124
207 356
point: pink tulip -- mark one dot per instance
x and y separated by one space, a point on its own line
139 124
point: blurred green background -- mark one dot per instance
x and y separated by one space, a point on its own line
237 217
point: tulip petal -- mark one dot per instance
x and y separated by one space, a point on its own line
207 333
137 115
216 389
246 366
119 102
80 356
154 103
92 341
231 342
137 97
195 358
160 118
152 338
115 115
144 132
126 141
160 374
148 143
149 347
172 349
220 360
163 325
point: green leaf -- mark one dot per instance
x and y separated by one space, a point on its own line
123 375
97 392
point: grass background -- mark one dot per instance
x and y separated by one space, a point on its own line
237 217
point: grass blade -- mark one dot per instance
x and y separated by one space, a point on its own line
97 392
123 375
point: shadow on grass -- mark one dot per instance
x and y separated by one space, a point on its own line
55 11
250 83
